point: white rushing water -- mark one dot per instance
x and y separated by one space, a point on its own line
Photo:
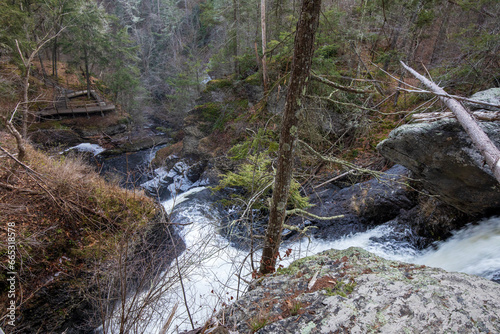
212 267
473 250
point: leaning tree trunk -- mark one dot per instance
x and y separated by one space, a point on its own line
487 148
301 65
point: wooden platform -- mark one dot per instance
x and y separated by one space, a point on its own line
63 106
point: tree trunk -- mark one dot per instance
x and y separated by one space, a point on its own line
54 59
301 66
264 41
487 148
236 37
87 72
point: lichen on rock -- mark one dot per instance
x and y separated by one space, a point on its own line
384 297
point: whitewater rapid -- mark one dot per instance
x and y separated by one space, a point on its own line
214 282
215 273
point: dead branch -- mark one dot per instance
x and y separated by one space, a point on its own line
13 131
485 146
434 116
333 179
449 96
301 212
353 105
343 163
339 86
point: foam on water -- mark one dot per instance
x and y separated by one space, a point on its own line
87 147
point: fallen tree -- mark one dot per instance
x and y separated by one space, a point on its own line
485 146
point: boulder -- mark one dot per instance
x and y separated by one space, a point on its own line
491 96
442 156
354 291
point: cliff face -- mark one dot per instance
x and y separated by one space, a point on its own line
354 291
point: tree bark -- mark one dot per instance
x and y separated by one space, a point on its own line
487 148
264 42
236 37
301 66
87 71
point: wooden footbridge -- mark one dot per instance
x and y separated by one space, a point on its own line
64 106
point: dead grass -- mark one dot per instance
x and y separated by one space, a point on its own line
66 217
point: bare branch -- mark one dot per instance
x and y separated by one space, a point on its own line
434 116
339 86
450 96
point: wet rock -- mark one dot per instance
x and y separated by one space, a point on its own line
357 292
433 219
372 202
442 156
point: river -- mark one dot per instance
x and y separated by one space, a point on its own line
214 280
215 272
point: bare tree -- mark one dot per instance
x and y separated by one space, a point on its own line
301 65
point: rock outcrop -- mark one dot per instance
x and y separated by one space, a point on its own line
354 291
442 156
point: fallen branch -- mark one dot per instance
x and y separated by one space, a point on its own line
333 179
13 188
449 96
301 212
434 116
485 146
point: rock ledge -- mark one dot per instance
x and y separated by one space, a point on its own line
354 291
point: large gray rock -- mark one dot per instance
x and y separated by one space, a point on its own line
491 96
443 157
358 292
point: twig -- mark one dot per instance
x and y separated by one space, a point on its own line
333 179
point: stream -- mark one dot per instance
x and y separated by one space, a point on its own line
215 271
214 281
